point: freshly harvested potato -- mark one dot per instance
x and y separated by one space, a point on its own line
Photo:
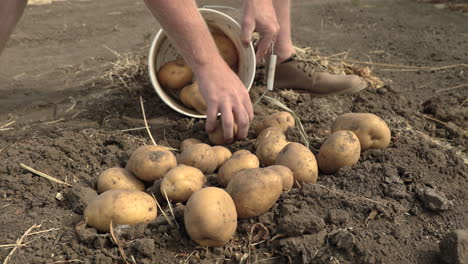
238 161
300 160
222 154
150 163
217 136
118 178
268 149
187 142
227 49
286 174
341 149
372 131
210 217
122 207
181 182
191 97
175 75
255 191
240 152
283 120
200 156
270 133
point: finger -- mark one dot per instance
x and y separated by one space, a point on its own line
211 116
264 45
248 23
228 122
249 108
242 121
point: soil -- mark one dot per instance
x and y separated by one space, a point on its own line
72 121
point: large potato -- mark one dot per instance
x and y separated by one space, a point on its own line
200 156
187 142
122 207
255 191
191 97
217 136
270 133
118 178
210 217
286 174
175 75
227 49
238 161
268 148
150 162
181 182
282 120
300 160
222 154
341 149
372 131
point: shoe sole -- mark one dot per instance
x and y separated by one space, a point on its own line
351 90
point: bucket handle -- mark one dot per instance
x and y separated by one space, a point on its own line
220 7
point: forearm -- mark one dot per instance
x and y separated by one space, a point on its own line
186 28
10 13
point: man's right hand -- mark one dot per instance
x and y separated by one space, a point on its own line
224 93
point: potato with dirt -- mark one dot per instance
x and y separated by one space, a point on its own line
187 142
222 155
118 178
255 191
149 163
300 160
191 97
200 156
269 144
217 136
282 120
122 207
340 149
372 131
239 161
227 49
175 75
210 217
181 182
286 175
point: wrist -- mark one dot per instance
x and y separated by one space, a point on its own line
215 64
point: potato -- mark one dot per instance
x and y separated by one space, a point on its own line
227 49
286 174
181 182
268 149
238 161
372 131
341 149
300 160
283 120
270 133
175 75
255 191
217 136
187 142
240 152
192 98
200 156
122 207
222 154
118 178
210 217
150 163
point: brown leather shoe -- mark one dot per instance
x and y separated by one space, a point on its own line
296 73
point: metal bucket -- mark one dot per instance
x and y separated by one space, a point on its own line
163 51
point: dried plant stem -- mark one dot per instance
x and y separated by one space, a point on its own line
170 208
452 88
50 178
164 213
146 122
117 242
19 242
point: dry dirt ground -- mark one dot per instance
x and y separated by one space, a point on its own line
63 113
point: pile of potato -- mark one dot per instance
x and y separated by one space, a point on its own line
177 78
248 184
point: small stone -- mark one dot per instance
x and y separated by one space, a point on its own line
435 201
382 91
338 216
454 247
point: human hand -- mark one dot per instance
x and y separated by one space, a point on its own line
224 93
259 16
